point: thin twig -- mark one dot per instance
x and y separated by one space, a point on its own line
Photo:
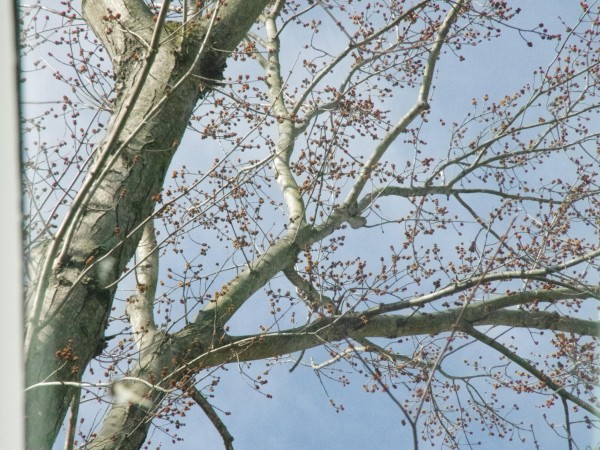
458 320
377 377
298 360
567 422
80 384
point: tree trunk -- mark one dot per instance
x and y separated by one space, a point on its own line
69 328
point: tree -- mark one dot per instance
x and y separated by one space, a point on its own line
324 116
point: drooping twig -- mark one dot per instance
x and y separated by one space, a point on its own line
377 378
567 423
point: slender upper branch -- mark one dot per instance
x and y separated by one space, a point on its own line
420 105
473 281
287 133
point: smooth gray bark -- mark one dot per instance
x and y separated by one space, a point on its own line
76 303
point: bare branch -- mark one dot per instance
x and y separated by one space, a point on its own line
212 415
538 296
287 133
307 291
140 307
559 390
419 107
357 327
467 284
417 191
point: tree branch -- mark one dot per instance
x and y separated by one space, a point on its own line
417 191
287 134
356 327
307 291
472 281
541 295
559 390
140 307
213 417
420 105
